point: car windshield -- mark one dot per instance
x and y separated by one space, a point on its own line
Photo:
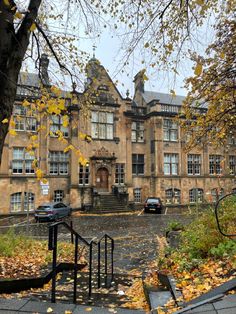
153 200
43 207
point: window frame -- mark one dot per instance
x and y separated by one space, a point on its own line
59 198
138 162
171 164
137 132
215 167
102 125
24 159
56 125
57 161
194 164
196 196
84 175
137 195
170 128
21 117
120 173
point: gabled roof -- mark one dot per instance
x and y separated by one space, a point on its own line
163 98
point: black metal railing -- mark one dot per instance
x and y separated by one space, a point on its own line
52 245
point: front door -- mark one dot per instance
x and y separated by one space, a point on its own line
102 180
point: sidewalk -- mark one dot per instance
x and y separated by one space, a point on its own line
13 306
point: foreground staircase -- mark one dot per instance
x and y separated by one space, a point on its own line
108 295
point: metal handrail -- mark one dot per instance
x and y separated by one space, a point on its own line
52 245
217 217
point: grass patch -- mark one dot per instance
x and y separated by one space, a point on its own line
22 256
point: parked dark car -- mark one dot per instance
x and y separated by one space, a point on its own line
52 211
153 204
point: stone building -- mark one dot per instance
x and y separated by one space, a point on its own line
137 150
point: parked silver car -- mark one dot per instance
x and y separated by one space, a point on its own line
52 211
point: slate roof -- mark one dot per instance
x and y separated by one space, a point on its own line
163 98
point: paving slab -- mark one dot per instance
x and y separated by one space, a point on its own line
12 306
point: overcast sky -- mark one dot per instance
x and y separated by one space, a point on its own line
109 52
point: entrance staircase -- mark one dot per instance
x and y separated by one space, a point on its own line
109 203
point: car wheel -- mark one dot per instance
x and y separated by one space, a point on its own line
56 217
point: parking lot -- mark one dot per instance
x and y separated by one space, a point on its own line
135 235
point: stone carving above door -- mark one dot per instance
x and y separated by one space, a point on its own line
103 153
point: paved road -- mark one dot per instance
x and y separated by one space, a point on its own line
135 236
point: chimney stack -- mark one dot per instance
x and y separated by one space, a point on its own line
139 81
43 69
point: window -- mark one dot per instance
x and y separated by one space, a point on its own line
22 161
58 196
170 108
84 174
172 196
120 174
170 129
29 201
137 132
23 118
196 196
56 124
171 164
102 125
15 200
232 164
194 164
58 163
216 194
137 195
214 164
137 164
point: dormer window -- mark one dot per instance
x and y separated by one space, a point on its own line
103 87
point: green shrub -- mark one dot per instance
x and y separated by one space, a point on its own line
10 243
226 248
174 226
202 238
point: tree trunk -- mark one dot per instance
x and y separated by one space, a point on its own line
13 47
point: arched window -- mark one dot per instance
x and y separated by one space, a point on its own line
196 196
58 195
29 201
15 201
173 196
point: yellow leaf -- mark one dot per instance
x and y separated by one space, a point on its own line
5 120
88 309
200 2
146 45
173 93
6 2
68 312
34 137
198 69
39 175
222 55
44 181
32 27
18 15
12 132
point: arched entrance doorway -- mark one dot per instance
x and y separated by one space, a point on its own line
102 179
